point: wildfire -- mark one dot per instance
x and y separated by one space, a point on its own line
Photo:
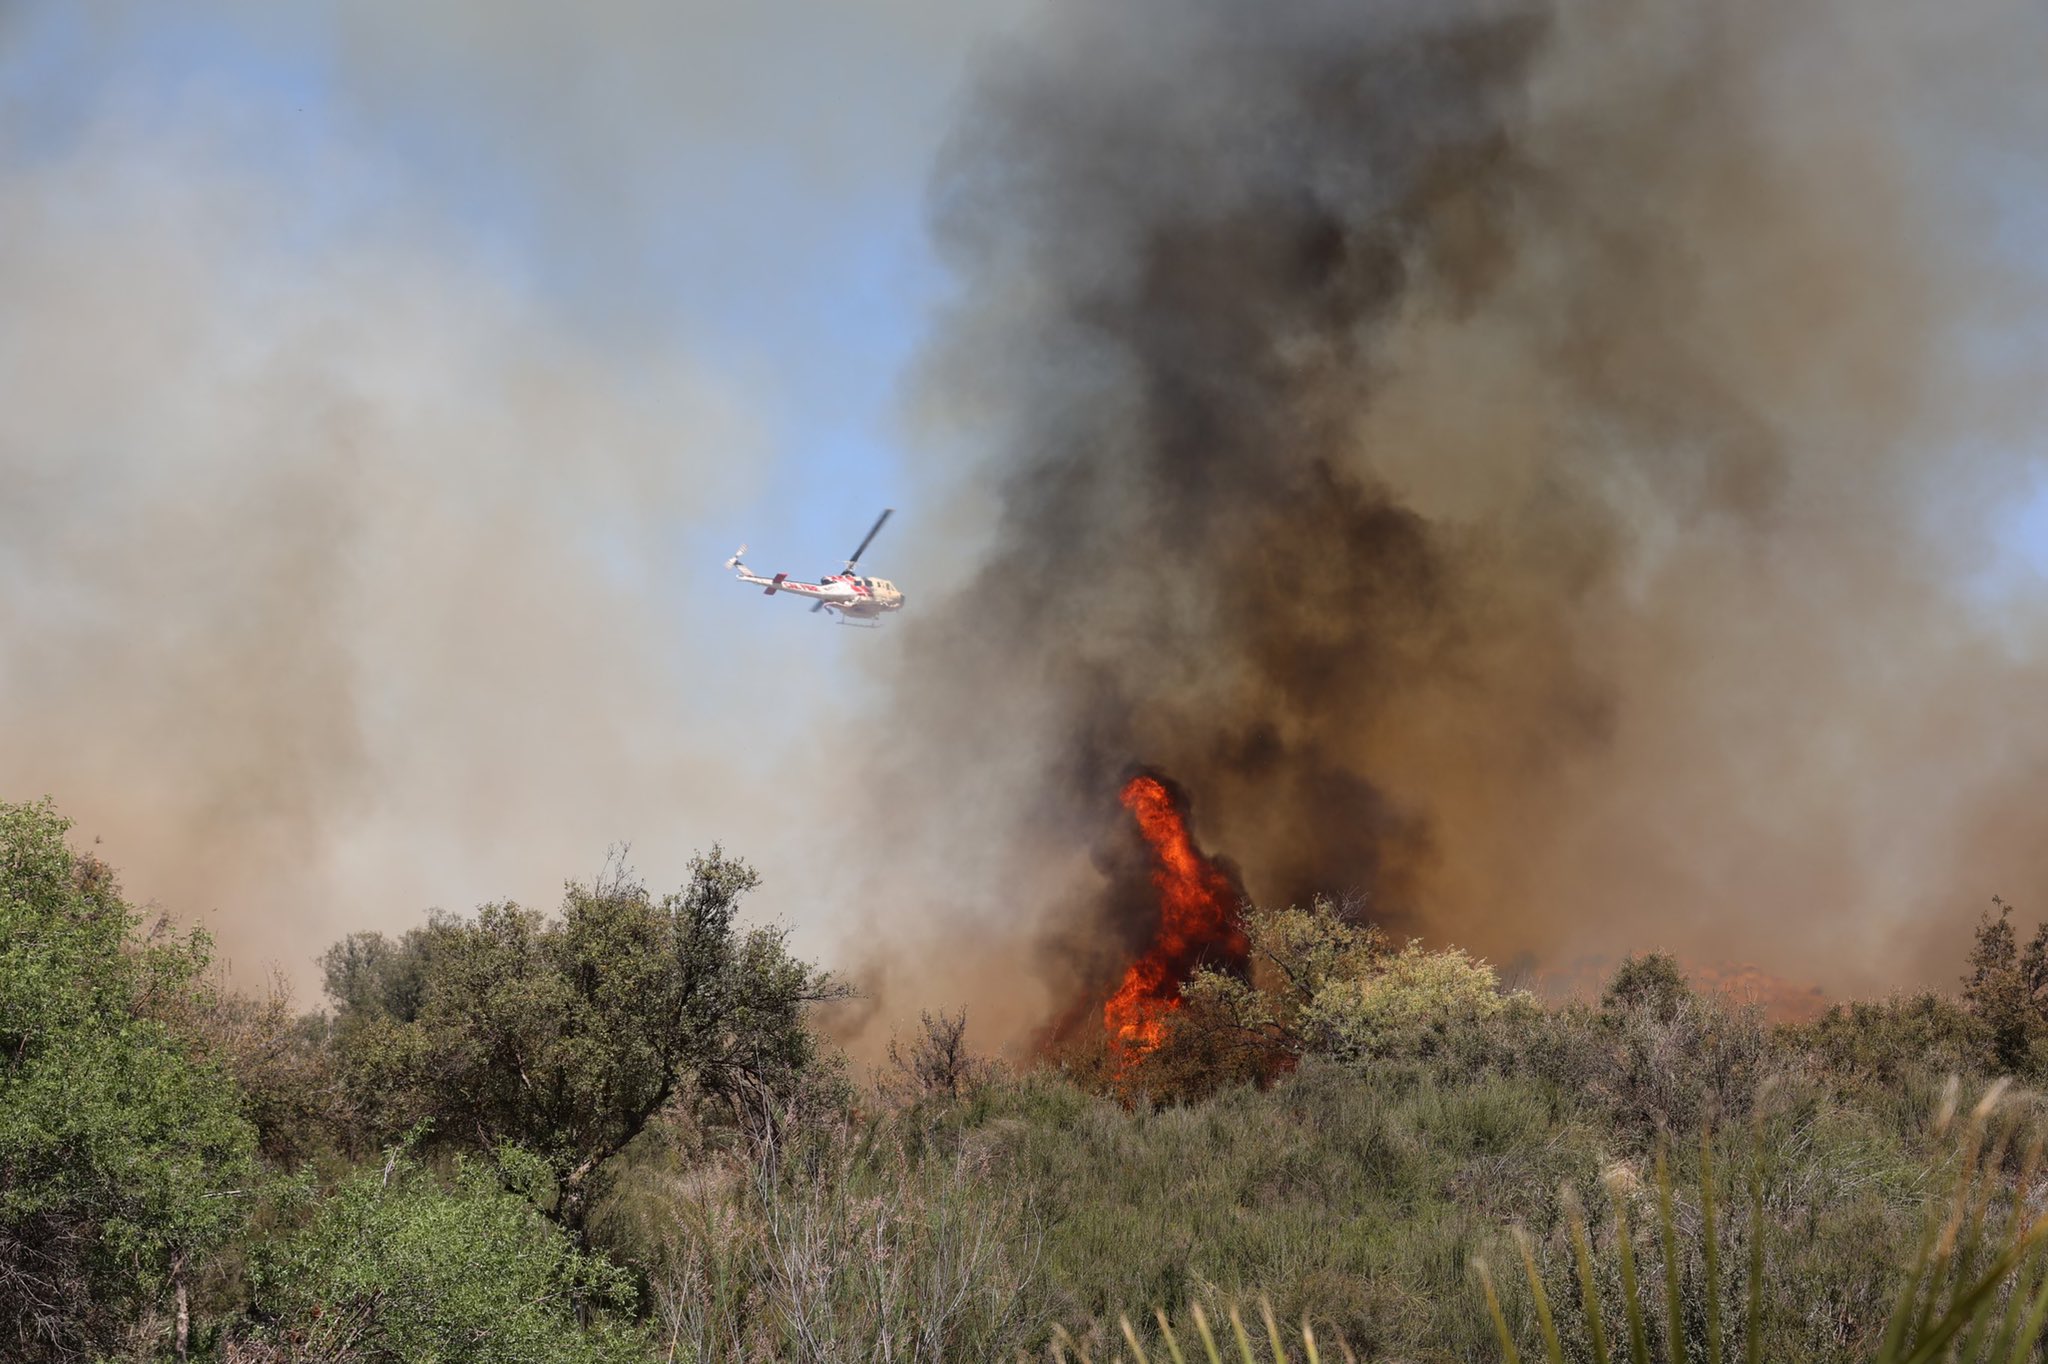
1197 921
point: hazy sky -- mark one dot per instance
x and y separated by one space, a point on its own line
385 384
382 385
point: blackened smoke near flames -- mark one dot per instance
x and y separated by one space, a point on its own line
1527 465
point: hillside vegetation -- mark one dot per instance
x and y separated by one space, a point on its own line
612 1132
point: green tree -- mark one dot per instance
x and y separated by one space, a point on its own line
121 1155
369 973
2007 988
568 1035
1653 983
1325 985
282 1067
397 1266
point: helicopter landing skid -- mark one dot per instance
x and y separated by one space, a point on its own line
861 624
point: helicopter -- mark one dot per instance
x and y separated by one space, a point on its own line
858 599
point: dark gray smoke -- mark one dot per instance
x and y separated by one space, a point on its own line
1504 459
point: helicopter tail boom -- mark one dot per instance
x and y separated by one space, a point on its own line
774 585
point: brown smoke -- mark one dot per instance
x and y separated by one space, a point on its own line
1520 462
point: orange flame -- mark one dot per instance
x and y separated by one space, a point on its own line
1197 922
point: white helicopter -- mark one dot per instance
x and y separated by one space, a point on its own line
859 600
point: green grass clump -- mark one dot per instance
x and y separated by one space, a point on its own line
962 1221
1974 1292
1357 1198
1238 1346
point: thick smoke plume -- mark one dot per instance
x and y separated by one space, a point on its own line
1523 463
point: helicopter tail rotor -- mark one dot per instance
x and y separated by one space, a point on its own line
738 556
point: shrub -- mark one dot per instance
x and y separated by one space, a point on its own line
1652 1058
1325 986
834 1242
397 1266
1407 1004
936 1064
1893 1055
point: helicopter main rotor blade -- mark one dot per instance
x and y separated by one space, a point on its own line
816 607
873 531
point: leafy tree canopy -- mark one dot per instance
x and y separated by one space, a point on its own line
2007 988
1652 982
567 1035
120 1155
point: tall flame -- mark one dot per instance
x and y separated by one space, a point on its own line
1197 921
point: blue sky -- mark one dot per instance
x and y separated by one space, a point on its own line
809 285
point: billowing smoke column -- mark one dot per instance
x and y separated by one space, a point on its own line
1197 926
1216 212
1516 462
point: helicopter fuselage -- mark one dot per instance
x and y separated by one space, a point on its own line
855 596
